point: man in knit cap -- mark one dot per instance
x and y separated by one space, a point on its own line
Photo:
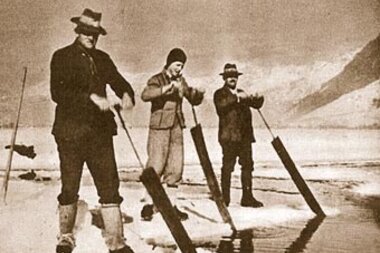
83 129
166 91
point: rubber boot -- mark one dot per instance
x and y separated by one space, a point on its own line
226 185
113 228
66 240
247 199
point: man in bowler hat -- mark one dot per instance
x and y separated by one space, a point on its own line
166 91
236 133
84 127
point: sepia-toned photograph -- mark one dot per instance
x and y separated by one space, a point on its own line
190 126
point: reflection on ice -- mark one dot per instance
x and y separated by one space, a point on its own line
243 242
245 238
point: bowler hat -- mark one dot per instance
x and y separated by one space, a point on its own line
89 22
230 70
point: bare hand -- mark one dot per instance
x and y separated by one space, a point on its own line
101 102
114 101
126 102
167 89
177 84
242 95
201 90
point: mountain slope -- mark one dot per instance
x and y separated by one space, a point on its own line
354 110
360 72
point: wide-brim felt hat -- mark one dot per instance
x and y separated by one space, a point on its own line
89 22
230 70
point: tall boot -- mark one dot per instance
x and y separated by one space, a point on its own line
66 240
113 229
226 185
247 199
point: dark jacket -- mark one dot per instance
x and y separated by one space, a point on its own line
75 74
235 119
165 107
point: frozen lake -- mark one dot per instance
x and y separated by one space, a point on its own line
306 146
342 168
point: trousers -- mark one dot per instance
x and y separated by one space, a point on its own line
96 150
165 153
234 150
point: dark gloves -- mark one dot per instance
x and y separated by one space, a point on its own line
256 101
195 96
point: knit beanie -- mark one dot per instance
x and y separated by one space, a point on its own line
176 54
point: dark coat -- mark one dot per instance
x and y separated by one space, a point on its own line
235 119
165 107
74 76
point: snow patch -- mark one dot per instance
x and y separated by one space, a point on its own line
368 189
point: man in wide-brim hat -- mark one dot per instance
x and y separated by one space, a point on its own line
89 22
230 70
84 127
236 133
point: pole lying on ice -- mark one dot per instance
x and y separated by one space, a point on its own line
13 140
200 145
152 183
294 173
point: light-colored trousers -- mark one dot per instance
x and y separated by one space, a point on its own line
165 153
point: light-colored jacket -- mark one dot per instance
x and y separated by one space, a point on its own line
165 107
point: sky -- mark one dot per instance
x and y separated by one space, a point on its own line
142 32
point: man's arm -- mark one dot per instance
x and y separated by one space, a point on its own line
224 102
193 95
118 83
61 89
154 90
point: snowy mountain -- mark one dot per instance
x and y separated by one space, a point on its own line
308 95
356 109
360 72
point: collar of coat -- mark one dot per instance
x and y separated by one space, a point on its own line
167 76
87 52
225 87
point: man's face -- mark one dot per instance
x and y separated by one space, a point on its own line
231 81
175 68
88 41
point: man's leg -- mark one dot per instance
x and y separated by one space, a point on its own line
158 149
71 166
246 162
102 165
174 167
229 160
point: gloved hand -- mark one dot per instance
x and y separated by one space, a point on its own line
196 95
256 101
